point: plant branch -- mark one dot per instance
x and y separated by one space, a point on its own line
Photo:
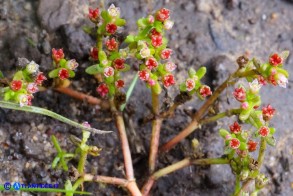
125 149
156 128
176 166
81 96
45 112
261 154
199 114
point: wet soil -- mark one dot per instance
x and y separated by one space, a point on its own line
211 33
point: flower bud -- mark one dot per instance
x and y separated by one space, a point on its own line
113 11
103 89
268 113
168 80
16 85
163 14
108 71
57 54
190 84
205 91
275 60
240 94
235 128
63 74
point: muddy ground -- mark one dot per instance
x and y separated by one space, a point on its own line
211 33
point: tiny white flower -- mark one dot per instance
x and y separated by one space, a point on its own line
72 64
168 24
282 80
190 84
113 11
32 88
108 71
142 44
254 86
32 67
170 66
124 52
145 52
23 100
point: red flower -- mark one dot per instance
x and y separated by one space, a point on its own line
166 53
234 143
157 40
190 84
29 99
151 63
264 131
235 128
94 14
275 60
144 75
154 32
103 89
268 112
272 80
119 64
16 85
112 44
32 88
108 71
94 53
168 80
63 74
205 91
240 94
251 145
57 55
40 78
119 83
111 28
261 80
163 14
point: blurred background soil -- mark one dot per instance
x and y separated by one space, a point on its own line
212 33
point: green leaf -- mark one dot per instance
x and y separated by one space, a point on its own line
55 162
1 75
142 22
243 146
272 130
142 34
244 115
283 71
71 73
129 39
126 68
68 187
63 63
111 88
271 140
182 87
157 88
102 56
109 79
54 73
87 29
114 55
105 15
201 72
94 69
223 133
158 26
120 22
191 73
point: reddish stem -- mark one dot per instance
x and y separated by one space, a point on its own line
81 96
198 115
156 128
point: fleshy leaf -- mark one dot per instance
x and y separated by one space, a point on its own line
201 72
54 73
94 69
271 140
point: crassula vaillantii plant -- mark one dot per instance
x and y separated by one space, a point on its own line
245 140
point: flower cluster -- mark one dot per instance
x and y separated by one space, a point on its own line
193 85
150 46
64 69
271 72
248 97
111 61
24 84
